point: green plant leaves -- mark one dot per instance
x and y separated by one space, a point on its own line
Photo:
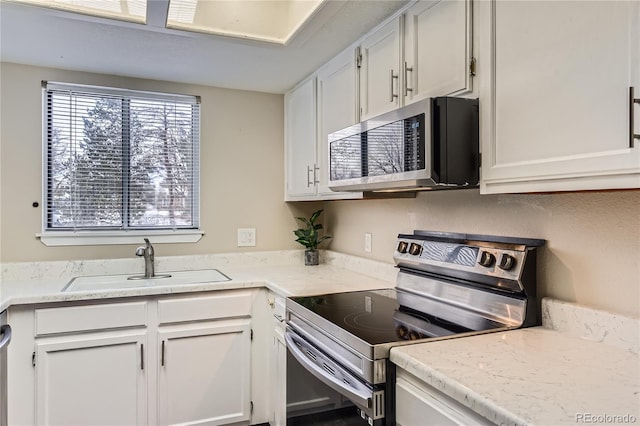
309 235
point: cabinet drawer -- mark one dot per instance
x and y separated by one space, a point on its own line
90 317
220 305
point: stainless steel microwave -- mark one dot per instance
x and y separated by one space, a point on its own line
431 144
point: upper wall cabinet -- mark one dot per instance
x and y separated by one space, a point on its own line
337 108
320 105
300 135
380 70
438 57
556 113
425 52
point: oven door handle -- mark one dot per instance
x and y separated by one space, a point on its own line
331 374
5 331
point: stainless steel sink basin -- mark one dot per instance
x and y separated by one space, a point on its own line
173 278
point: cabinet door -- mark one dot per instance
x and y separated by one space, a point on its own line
380 70
438 40
204 373
337 109
417 403
279 378
300 140
91 379
556 102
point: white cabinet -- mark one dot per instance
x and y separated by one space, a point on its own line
555 110
92 379
438 49
204 373
300 141
204 346
396 64
417 403
425 52
320 105
165 360
380 70
337 108
91 365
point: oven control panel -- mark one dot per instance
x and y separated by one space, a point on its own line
474 258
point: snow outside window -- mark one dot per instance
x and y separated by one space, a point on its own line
119 163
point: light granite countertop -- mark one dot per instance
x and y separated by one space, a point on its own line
567 372
582 366
282 272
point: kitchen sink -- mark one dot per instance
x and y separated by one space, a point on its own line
169 278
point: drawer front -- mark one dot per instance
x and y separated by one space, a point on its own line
90 317
225 304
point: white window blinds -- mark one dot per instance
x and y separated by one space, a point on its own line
120 159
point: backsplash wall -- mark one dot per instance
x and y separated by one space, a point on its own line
592 255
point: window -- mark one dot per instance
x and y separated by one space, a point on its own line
119 164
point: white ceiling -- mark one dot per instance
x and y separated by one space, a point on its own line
52 38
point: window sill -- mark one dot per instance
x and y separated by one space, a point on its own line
89 238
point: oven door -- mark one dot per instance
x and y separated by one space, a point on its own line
321 367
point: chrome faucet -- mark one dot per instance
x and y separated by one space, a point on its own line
147 252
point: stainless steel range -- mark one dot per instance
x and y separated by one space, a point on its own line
449 285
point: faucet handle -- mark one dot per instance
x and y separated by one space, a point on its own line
140 251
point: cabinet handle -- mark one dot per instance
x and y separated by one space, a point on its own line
632 101
162 354
309 183
393 77
316 169
407 70
141 356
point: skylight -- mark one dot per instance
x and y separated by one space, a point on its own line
126 10
274 21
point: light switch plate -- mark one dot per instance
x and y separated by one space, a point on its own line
367 242
246 237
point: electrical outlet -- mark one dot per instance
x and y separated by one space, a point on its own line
246 237
367 242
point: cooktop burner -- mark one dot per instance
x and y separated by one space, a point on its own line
376 317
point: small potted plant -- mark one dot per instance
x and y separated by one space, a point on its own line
309 237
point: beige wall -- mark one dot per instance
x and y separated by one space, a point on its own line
593 251
242 169
593 238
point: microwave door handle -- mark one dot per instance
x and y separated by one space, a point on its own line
360 394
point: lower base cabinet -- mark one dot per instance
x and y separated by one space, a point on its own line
418 403
204 373
159 361
90 379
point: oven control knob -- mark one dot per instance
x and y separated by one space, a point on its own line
403 246
415 249
402 332
507 262
414 335
487 259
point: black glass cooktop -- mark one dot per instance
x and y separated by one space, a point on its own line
376 316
